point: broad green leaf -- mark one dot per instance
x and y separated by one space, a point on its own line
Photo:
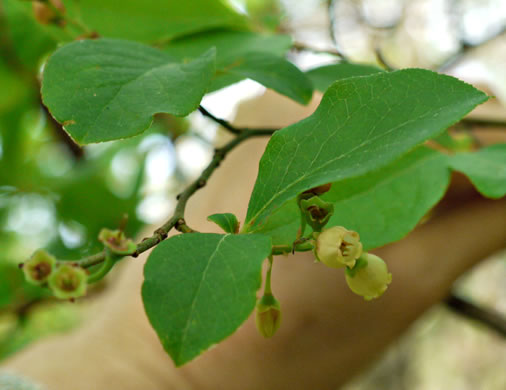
227 221
485 168
273 72
361 124
108 89
231 47
323 76
155 20
383 206
199 288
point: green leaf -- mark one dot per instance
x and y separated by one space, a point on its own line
108 89
485 168
382 206
232 47
361 124
229 45
198 288
155 20
273 72
227 221
323 76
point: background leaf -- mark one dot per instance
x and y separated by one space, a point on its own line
227 221
231 47
32 39
155 20
273 72
108 89
361 124
323 76
198 288
485 168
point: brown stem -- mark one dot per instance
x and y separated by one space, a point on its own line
487 317
177 220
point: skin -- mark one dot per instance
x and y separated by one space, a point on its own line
328 334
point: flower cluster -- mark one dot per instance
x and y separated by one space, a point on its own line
366 274
65 280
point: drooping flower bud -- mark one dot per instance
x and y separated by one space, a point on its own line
116 242
317 212
268 315
68 282
38 268
369 278
337 247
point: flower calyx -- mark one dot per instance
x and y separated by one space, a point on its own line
116 242
337 247
369 278
268 315
316 211
68 281
39 267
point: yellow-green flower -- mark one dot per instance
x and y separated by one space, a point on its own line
369 278
38 268
337 247
68 282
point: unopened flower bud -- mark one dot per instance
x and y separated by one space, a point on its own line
337 247
116 242
319 190
369 278
268 315
68 282
45 13
317 212
38 268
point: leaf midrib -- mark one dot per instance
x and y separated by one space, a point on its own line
195 296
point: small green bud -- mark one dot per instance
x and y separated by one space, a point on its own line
337 247
268 315
68 282
317 212
116 242
38 268
369 278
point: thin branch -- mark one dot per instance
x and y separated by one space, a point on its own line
382 60
234 130
177 220
331 12
298 46
62 135
488 123
488 317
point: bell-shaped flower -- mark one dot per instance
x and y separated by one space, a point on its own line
38 268
337 247
68 282
369 278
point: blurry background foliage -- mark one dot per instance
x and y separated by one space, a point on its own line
56 195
